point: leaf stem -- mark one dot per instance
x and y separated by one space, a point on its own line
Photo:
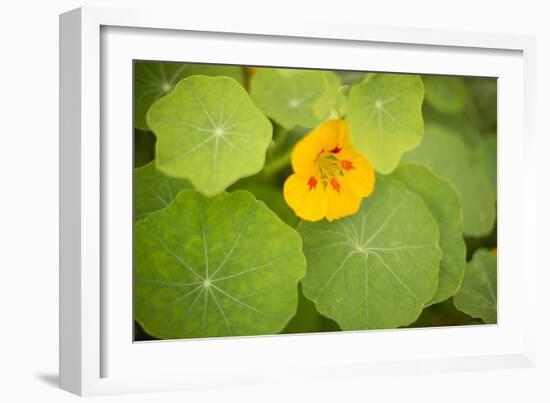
276 164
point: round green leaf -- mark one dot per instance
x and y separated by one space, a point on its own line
446 94
442 201
221 266
378 268
449 157
209 131
385 117
153 80
296 97
478 294
153 190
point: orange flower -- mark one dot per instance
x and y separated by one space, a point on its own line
330 178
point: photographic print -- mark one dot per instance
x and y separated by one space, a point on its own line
280 200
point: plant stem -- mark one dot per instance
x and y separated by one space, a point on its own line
275 165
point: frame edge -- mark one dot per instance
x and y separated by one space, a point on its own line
70 120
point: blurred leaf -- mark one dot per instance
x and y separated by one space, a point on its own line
209 131
478 295
450 158
378 268
153 80
308 319
296 97
442 201
487 155
385 117
351 77
446 94
144 148
463 125
153 190
202 268
484 97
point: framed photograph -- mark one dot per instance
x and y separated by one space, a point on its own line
244 203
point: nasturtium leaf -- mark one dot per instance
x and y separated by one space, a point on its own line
385 117
153 190
209 131
450 158
442 201
215 266
309 320
296 97
153 80
447 94
375 269
478 294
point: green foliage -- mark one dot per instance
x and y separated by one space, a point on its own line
446 94
478 294
442 201
215 249
297 97
449 157
199 272
153 190
385 117
209 131
153 80
378 268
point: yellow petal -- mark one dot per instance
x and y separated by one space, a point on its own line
306 197
328 136
360 176
341 203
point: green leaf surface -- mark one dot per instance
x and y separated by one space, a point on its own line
446 94
378 268
153 190
309 320
449 157
296 97
209 131
442 201
478 294
385 117
153 80
221 266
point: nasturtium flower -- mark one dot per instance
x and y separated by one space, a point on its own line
330 178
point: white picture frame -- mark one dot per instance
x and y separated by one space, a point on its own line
97 356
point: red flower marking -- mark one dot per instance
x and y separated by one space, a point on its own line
335 185
336 150
347 165
312 182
